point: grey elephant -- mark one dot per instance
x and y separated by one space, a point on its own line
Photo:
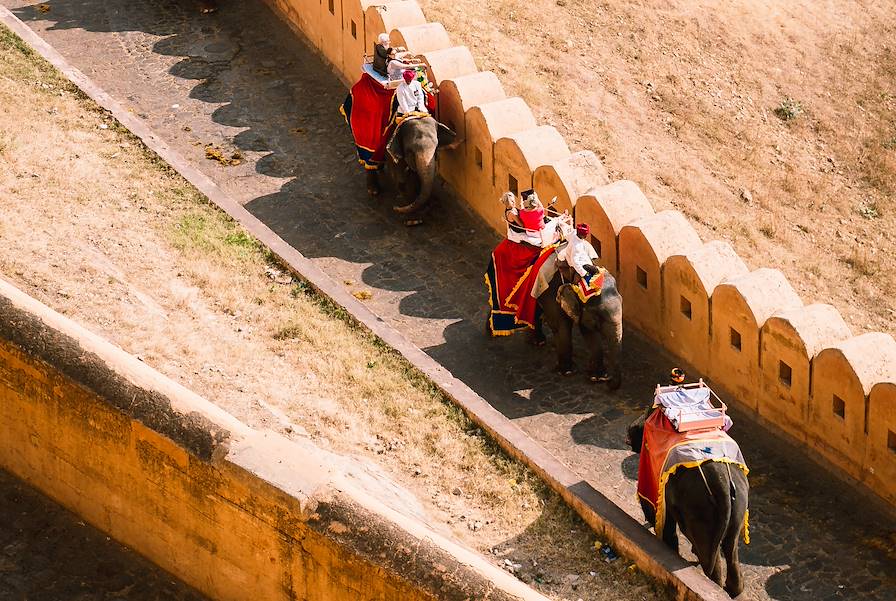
599 319
709 504
413 151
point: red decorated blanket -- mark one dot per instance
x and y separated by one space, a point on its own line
370 114
510 277
664 450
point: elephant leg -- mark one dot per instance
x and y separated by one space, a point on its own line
670 532
611 332
734 582
373 182
594 344
563 341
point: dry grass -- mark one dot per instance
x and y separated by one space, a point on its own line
681 97
100 230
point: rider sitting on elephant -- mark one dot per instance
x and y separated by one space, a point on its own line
410 95
390 61
527 224
580 255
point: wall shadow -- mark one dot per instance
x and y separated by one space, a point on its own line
267 93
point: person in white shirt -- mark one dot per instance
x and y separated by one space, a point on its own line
410 94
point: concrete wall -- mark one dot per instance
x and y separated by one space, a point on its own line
569 178
689 280
880 449
788 342
230 510
644 246
502 139
519 154
484 125
839 409
740 307
607 209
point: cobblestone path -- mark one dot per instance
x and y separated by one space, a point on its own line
48 554
242 80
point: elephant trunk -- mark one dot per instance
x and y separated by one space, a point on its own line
424 164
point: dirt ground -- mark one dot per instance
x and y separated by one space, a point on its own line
100 230
771 124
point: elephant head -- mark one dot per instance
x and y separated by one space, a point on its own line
414 146
569 303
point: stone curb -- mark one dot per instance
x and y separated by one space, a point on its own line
607 519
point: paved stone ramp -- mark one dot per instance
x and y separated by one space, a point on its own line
47 554
243 80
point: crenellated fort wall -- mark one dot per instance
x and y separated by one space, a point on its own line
796 367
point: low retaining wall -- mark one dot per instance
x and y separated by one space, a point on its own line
505 148
232 511
607 519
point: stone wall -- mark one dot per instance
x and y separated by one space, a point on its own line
228 509
504 148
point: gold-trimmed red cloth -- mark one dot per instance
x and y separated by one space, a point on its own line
590 285
511 263
664 450
369 109
520 299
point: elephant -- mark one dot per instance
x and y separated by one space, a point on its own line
413 149
709 504
599 320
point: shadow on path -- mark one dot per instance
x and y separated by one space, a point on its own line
49 554
243 80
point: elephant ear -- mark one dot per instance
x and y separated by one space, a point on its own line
569 302
444 134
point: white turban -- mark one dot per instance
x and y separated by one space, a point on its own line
383 38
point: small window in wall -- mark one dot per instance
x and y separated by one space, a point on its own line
641 276
354 30
512 184
785 374
478 158
839 407
734 339
597 246
685 307
891 441
332 7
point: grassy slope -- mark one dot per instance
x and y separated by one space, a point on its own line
97 228
680 96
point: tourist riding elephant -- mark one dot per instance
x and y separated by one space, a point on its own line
599 320
709 504
413 149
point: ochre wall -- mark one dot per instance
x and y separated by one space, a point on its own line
519 154
607 209
579 181
840 408
688 282
644 246
232 511
568 179
788 342
880 449
740 307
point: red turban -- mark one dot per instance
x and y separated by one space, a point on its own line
408 75
582 230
